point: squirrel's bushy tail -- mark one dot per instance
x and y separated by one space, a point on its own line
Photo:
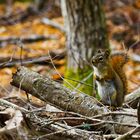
118 60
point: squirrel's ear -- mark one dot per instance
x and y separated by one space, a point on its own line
99 51
107 52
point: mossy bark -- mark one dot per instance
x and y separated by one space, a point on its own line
86 32
82 80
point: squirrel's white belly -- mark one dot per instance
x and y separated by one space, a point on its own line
107 92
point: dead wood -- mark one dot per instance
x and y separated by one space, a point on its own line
31 12
58 95
21 16
42 60
61 97
135 58
53 24
133 98
44 127
30 39
14 126
128 135
7 104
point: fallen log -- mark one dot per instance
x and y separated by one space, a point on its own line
58 95
61 97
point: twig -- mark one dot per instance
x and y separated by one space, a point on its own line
135 45
83 125
9 104
115 113
77 81
135 57
79 130
113 136
110 136
129 134
106 114
99 122
38 60
60 131
83 80
53 24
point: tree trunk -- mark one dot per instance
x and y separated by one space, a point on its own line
86 32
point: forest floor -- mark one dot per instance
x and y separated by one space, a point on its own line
123 24
26 40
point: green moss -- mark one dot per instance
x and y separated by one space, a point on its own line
72 78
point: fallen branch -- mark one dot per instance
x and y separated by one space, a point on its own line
59 130
129 134
115 113
34 119
29 13
133 98
68 131
11 105
8 62
30 39
53 24
61 97
135 58
113 136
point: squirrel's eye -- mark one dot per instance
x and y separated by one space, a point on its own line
93 61
101 59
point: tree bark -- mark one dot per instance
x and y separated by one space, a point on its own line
55 93
86 32
58 95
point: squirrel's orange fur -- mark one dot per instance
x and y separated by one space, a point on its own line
117 61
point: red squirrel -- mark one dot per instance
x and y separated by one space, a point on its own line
110 77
